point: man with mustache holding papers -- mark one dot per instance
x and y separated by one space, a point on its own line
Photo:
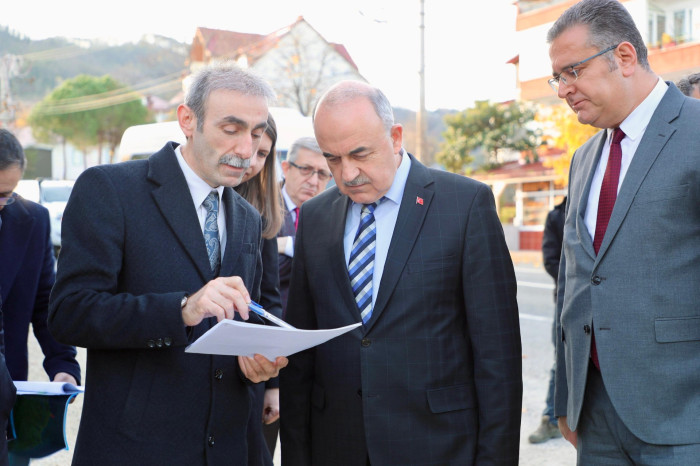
155 252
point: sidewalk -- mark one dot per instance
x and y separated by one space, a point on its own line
527 257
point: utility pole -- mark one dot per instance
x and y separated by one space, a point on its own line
421 151
9 67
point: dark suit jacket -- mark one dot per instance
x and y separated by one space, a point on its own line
285 262
435 375
26 278
552 240
258 452
640 293
7 395
132 247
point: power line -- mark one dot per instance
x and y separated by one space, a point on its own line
61 108
141 86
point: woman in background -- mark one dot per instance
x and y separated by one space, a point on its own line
260 188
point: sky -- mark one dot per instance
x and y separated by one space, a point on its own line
467 42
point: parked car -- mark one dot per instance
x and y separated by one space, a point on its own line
52 194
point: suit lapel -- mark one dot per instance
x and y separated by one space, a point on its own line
655 138
588 166
173 198
15 233
336 253
236 220
408 225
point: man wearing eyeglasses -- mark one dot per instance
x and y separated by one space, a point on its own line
628 320
26 276
306 174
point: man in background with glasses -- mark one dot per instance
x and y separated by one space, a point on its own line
628 320
306 175
26 276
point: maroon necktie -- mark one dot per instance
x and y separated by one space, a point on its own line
606 202
296 215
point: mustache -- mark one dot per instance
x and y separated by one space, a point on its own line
234 161
360 179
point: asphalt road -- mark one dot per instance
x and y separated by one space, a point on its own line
536 305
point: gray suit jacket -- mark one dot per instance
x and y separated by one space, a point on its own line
641 293
434 377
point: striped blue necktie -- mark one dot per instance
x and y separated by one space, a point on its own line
211 230
361 265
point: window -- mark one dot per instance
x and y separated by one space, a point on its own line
682 20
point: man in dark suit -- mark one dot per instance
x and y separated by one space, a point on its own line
149 262
551 255
305 176
27 273
26 276
7 394
434 374
628 343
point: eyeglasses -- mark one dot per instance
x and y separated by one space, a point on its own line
8 200
323 175
569 75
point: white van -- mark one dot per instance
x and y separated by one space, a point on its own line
141 141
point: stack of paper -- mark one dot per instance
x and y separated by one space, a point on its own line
230 337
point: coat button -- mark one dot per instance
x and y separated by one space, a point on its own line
366 342
159 343
596 280
587 329
210 440
167 341
151 343
219 374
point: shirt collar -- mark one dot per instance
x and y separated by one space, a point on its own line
288 200
637 121
199 188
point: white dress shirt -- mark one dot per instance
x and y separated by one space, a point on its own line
633 126
200 189
290 205
385 216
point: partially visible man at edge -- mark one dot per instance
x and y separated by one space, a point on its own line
628 321
154 253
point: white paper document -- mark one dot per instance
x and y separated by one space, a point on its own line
47 388
233 338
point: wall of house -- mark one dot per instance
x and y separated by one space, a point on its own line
671 62
303 55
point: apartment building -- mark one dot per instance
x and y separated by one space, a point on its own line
671 29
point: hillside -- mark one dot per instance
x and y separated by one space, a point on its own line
153 66
46 63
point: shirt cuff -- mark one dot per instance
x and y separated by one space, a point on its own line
289 247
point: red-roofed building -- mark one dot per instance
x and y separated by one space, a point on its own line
296 60
525 193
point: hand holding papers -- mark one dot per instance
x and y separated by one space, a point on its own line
233 338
